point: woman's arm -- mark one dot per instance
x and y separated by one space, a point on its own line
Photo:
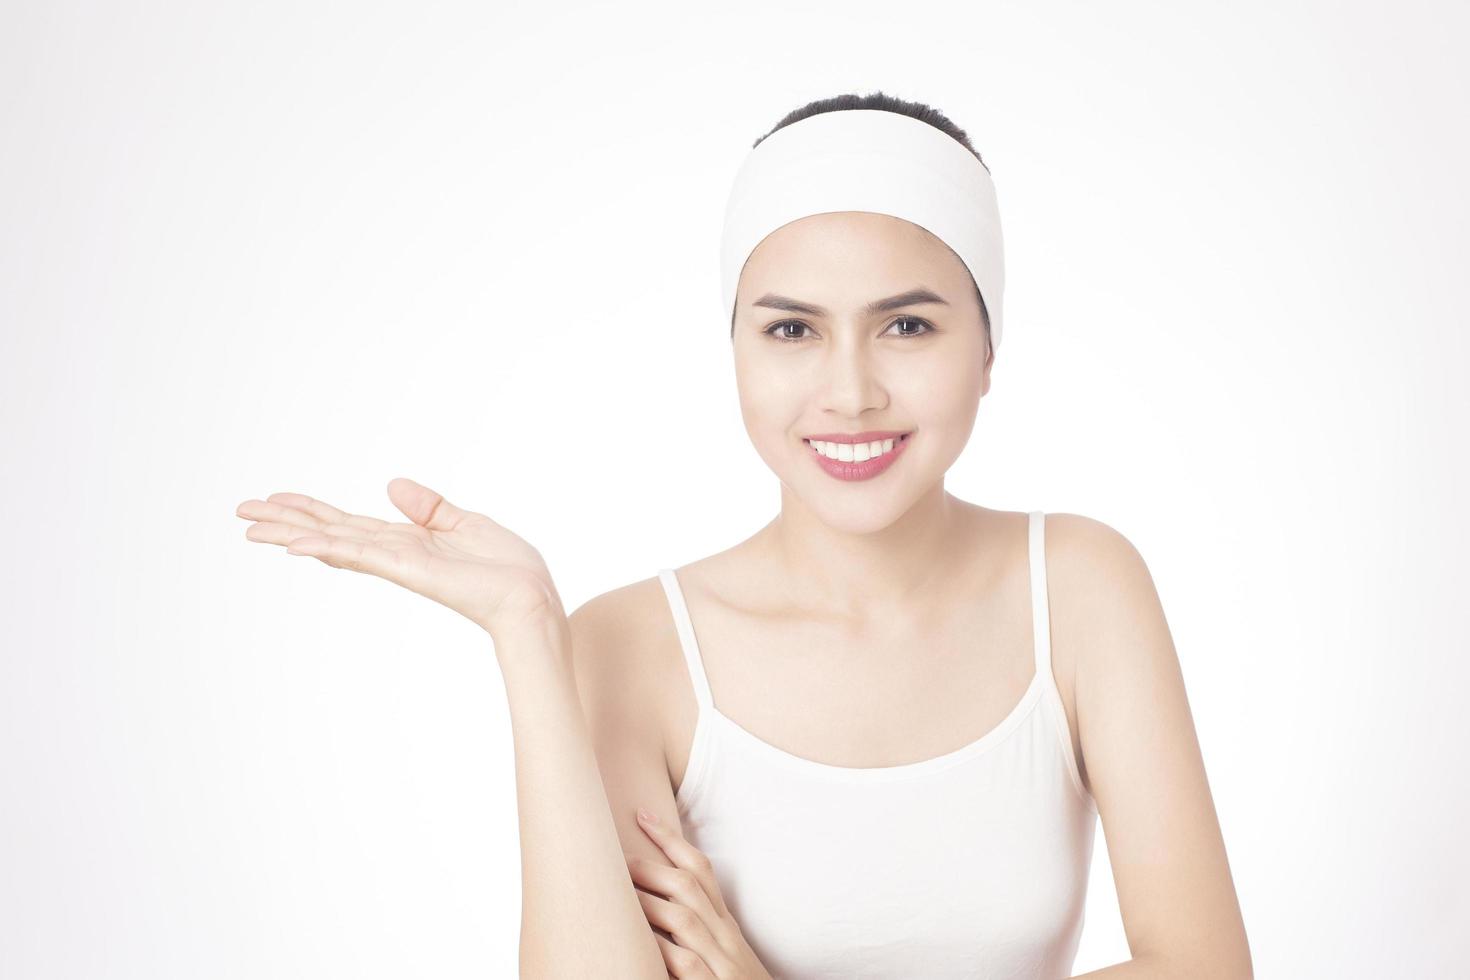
580 914
1143 760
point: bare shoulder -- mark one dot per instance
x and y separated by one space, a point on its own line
620 616
619 645
1092 571
1102 590
1095 559
1107 622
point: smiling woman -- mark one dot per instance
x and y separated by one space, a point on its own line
935 700
924 705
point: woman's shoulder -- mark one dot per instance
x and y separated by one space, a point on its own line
1101 592
1088 550
625 658
631 628
621 621
626 651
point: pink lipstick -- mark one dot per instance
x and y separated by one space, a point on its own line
854 470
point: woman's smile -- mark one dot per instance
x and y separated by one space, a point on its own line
853 460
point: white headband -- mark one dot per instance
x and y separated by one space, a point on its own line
867 160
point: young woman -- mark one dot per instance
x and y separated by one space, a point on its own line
875 737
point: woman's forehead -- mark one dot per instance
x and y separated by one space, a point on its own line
835 251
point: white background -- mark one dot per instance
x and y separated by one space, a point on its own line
314 246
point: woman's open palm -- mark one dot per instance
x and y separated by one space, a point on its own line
456 557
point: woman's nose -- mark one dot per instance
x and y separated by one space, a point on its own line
850 382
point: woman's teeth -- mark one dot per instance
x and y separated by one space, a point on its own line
852 452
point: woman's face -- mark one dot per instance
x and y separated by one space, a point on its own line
834 367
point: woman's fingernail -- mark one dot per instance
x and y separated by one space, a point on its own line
645 815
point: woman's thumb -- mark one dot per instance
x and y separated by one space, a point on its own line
423 506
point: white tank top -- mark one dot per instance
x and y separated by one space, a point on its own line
969 864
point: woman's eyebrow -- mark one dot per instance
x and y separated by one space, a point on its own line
912 297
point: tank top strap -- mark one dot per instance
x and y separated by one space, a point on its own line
1041 630
1040 613
687 642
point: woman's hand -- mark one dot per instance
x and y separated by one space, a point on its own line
456 557
707 940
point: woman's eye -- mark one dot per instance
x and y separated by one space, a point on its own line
783 330
778 330
928 328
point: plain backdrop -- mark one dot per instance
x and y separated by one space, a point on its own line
313 246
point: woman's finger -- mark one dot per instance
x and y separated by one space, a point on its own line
271 532
355 554
325 512
277 513
679 960
684 855
426 508
677 884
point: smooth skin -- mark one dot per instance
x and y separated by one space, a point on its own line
458 558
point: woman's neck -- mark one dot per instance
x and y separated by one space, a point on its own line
895 570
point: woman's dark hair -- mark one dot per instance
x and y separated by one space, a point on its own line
888 103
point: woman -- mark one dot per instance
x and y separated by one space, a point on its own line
874 738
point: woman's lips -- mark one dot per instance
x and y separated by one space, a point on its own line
865 470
